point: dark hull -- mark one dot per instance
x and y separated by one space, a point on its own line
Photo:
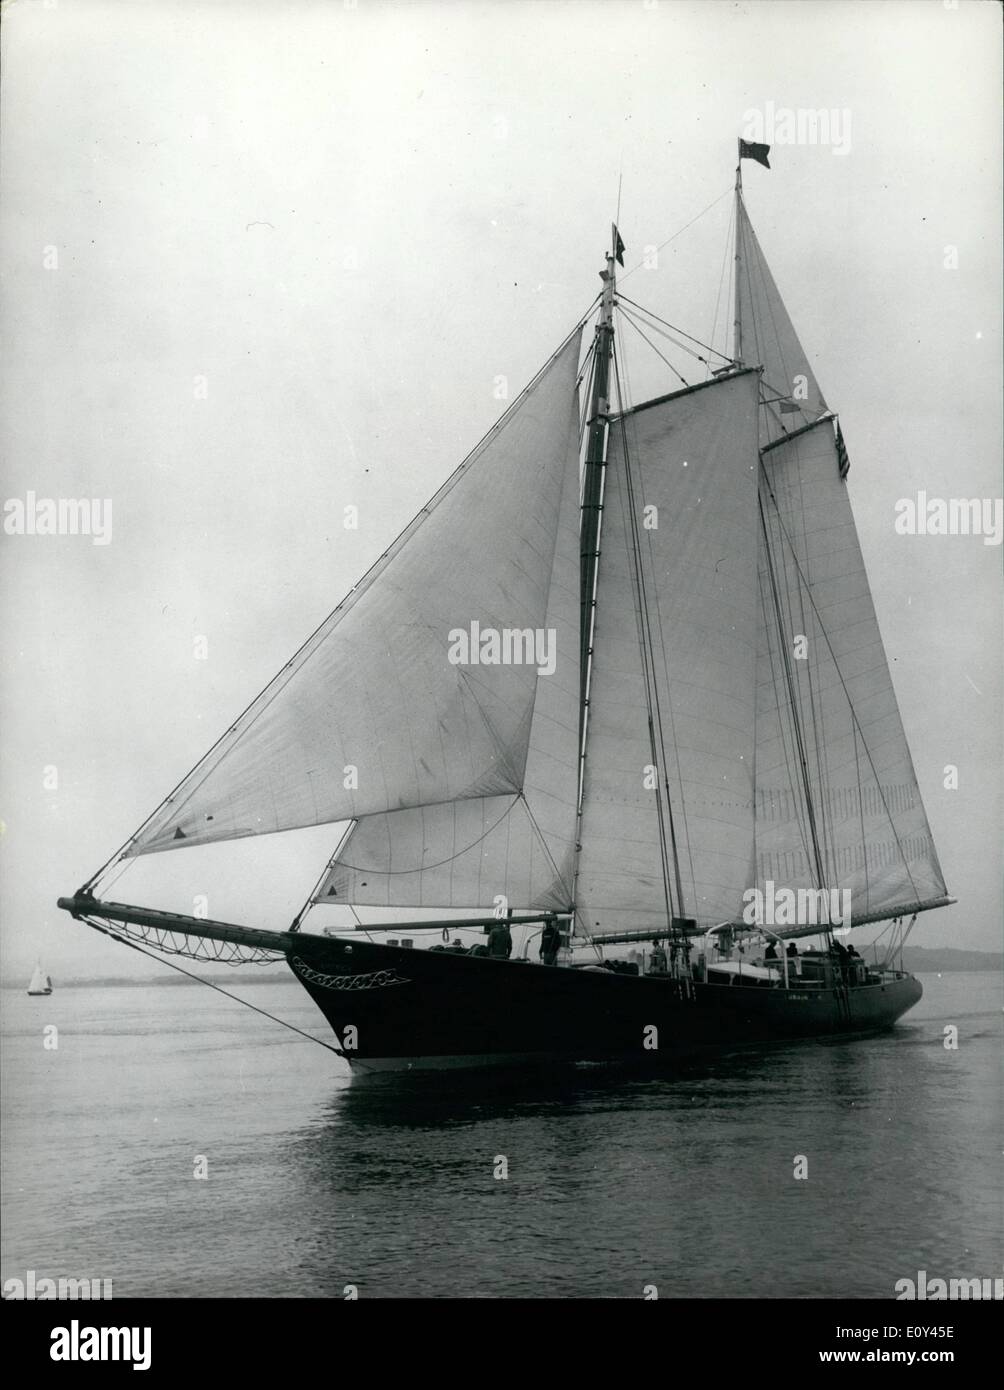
418 1009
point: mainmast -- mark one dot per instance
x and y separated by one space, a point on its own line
737 346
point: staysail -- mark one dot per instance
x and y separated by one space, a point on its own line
373 715
673 678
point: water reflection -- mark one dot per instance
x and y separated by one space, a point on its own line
591 1180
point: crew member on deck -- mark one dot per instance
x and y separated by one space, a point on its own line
771 951
791 950
500 941
839 950
550 942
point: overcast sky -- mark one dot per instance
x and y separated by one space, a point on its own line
349 220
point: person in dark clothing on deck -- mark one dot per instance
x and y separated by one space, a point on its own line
500 941
550 942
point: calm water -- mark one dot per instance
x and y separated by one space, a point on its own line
315 1182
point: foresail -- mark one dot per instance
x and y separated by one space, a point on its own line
680 512
821 658
790 394
389 705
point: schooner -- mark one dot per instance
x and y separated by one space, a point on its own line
620 677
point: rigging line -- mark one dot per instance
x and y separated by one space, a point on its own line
662 758
124 941
721 281
742 224
732 296
590 350
786 734
789 677
587 395
854 716
260 703
816 702
787 740
810 712
799 715
663 331
120 870
861 821
672 719
773 322
815 707
669 337
651 686
343 839
681 231
544 845
652 345
814 712
665 322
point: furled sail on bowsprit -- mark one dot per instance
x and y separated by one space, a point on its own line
837 799
671 709
371 715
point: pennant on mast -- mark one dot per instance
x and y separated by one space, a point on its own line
749 150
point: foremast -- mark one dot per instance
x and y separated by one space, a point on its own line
677 927
592 487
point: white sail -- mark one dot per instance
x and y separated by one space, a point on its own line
521 847
874 838
40 982
692 457
371 715
459 854
790 394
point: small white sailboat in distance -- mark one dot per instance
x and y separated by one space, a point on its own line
41 983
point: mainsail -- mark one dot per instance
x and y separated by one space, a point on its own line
671 710
371 716
837 799
830 739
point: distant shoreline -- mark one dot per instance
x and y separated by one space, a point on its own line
919 960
